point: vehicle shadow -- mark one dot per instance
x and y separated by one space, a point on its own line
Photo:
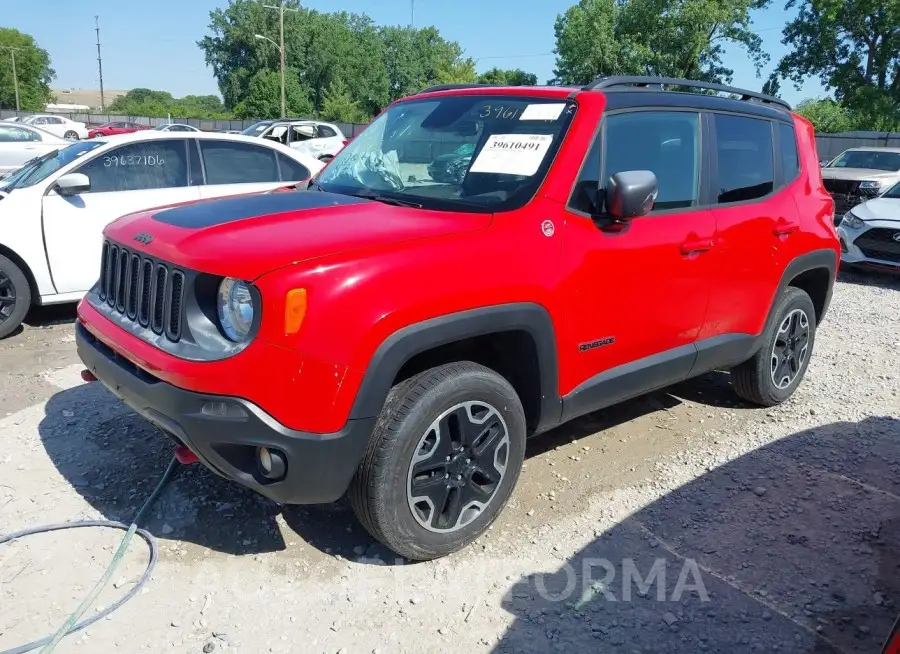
794 547
869 277
54 314
113 457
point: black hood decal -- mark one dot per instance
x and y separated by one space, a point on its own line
218 212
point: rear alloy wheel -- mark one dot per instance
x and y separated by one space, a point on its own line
442 461
15 297
71 135
778 367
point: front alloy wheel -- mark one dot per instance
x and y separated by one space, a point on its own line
458 466
7 297
442 460
15 296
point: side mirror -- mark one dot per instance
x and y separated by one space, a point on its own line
630 194
73 184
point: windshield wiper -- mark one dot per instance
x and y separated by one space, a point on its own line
386 200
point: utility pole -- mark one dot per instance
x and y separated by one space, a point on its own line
100 63
412 17
12 53
280 9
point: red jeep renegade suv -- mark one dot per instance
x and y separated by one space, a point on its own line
478 266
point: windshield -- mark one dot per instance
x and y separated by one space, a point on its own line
161 128
256 129
469 152
39 169
893 192
872 159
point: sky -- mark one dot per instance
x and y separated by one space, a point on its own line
153 44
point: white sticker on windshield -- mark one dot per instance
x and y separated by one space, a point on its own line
543 111
512 154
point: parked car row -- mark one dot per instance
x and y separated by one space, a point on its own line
53 209
57 125
321 140
865 185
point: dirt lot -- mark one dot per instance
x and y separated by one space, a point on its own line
684 521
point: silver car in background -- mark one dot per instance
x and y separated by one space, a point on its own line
870 232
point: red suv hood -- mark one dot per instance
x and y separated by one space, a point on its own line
249 235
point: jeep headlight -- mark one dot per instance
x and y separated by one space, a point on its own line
236 310
852 221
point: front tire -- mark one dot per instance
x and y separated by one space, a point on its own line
15 297
442 461
776 370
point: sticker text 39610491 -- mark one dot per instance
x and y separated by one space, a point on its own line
512 154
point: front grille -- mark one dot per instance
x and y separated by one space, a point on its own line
879 243
143 290
840 185
845 193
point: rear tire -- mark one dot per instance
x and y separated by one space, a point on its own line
326 158
776 370
15 297
71 135
442 461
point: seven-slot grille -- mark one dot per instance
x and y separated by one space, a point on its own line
144 290
879 243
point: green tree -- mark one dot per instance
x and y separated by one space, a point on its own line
340 107
458 72
826 115
853 47
415 58
33 72
142 102
374 65
320 49
500 77
263 97
671 38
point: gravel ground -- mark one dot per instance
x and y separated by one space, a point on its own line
684 521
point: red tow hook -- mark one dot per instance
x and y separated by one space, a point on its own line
184 455
88 376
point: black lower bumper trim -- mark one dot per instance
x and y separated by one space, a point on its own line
319 466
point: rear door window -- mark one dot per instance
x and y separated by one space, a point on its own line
746 162
238 163
139 167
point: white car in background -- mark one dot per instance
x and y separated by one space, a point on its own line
58 125
53 210
22 143
321 140
870 232
175 127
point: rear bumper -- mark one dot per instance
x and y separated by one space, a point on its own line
319 466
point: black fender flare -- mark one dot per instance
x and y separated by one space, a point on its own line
817 259
414 339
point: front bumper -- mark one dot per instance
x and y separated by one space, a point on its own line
883 256
319 466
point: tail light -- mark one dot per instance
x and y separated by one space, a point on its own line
345 142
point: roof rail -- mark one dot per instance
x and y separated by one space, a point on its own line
453 87
644 81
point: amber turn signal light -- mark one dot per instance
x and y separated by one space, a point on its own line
295 310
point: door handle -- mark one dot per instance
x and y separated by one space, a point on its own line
785 228
696 246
